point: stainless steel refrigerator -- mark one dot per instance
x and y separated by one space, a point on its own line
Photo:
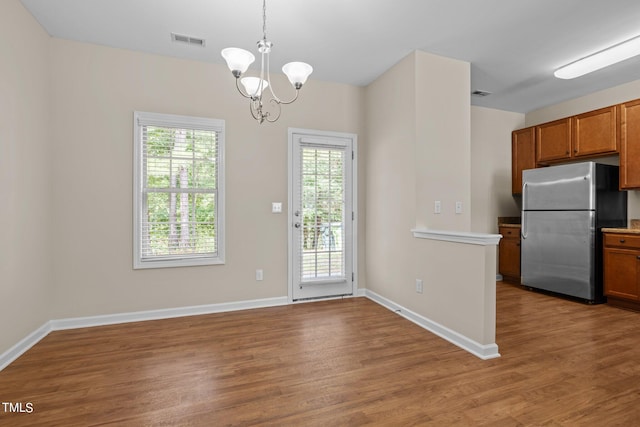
564 209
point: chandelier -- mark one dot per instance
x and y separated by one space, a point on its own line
238 61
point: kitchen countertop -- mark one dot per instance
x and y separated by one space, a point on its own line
633 228
513 225
508 221
622 230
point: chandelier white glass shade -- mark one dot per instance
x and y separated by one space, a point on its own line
239 60
604 58
254 85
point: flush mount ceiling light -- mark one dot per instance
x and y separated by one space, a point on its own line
604 58
238 61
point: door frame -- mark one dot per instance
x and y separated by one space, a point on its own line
354 196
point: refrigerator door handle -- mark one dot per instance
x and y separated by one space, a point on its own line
523 231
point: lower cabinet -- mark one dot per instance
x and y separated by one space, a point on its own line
509 254
621 259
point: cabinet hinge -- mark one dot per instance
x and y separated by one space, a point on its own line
353 155
353 276
353 216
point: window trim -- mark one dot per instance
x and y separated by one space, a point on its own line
140 119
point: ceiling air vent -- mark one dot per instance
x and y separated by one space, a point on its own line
480 93
193 41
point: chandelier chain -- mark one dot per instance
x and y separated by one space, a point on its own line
264 19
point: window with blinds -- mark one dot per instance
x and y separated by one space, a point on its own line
179 197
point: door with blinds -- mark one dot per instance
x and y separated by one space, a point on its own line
321 215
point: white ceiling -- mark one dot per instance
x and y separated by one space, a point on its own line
513 45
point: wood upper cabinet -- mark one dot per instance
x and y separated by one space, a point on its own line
621 260
591 134
523 155
601 132
595 132
553 141
630 145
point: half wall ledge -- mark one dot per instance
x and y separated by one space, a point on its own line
458 236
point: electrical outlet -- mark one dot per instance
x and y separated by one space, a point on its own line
259 275
419 286
276 207
437 207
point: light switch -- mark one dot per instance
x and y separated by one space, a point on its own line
458 207
276 207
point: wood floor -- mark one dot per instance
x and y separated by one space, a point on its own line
336 363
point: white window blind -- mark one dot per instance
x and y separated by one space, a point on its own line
322 201
179 191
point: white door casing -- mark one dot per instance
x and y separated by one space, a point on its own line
322 250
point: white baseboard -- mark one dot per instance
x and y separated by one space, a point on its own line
23 345
110 319
483 351
167 313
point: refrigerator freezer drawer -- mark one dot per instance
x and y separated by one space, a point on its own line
558 252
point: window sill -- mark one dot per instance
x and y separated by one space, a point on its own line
192 262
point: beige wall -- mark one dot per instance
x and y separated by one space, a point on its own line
391 180
603 98
95 91
412 158
491 167
25 159
442 116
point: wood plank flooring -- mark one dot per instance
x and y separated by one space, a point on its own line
335 363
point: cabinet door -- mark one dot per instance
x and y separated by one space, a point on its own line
621 273
509 258
523 156
553 141
595 132
630 145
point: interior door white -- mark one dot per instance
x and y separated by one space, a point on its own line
321 215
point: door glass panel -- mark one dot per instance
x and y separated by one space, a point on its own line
323 210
